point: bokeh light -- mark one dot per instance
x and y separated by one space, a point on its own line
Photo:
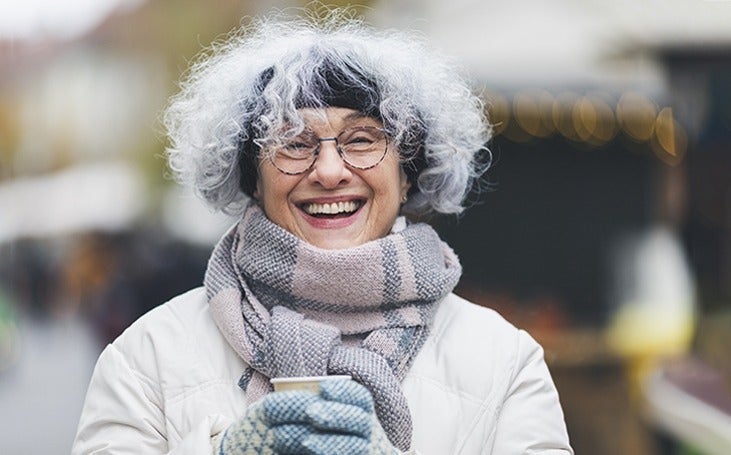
533 113
670 141
636 115
498 111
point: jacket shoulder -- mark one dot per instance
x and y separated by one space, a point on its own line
171 321
168 381
172 342
456 313
473 350
465 379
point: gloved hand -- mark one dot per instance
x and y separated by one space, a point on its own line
254 432
341 421
338 420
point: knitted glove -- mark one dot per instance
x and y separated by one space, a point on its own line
254 433
338 420
342 421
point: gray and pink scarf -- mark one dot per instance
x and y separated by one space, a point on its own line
291 309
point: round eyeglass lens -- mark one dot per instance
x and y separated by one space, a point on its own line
296 156
363 147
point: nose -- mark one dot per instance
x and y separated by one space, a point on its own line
329 169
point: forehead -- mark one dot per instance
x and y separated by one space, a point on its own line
335 117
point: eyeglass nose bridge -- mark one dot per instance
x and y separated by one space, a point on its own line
320 140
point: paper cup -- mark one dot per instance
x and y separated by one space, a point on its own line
311 383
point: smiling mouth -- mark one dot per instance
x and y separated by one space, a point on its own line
332 209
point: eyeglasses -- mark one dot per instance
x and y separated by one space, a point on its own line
361 147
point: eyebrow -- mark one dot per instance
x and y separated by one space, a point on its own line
358 115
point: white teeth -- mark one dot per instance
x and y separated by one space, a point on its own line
333 208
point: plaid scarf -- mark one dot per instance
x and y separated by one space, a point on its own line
291 309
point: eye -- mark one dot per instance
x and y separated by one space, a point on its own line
294 146
301 144
360 137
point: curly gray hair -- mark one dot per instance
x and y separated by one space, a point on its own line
244 94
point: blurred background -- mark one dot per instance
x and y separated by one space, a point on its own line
606 231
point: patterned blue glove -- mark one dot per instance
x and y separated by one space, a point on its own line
255 434
338 420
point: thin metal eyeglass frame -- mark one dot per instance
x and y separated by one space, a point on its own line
316 153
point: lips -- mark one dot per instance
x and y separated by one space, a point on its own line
332 209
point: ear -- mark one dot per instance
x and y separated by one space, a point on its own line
405 186
257 191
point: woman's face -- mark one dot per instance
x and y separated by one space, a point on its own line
366 202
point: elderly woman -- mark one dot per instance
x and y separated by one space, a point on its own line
326 140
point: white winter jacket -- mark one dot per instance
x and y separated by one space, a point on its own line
169 383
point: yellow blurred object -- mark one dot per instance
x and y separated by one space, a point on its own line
645 336
654 298
641 329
